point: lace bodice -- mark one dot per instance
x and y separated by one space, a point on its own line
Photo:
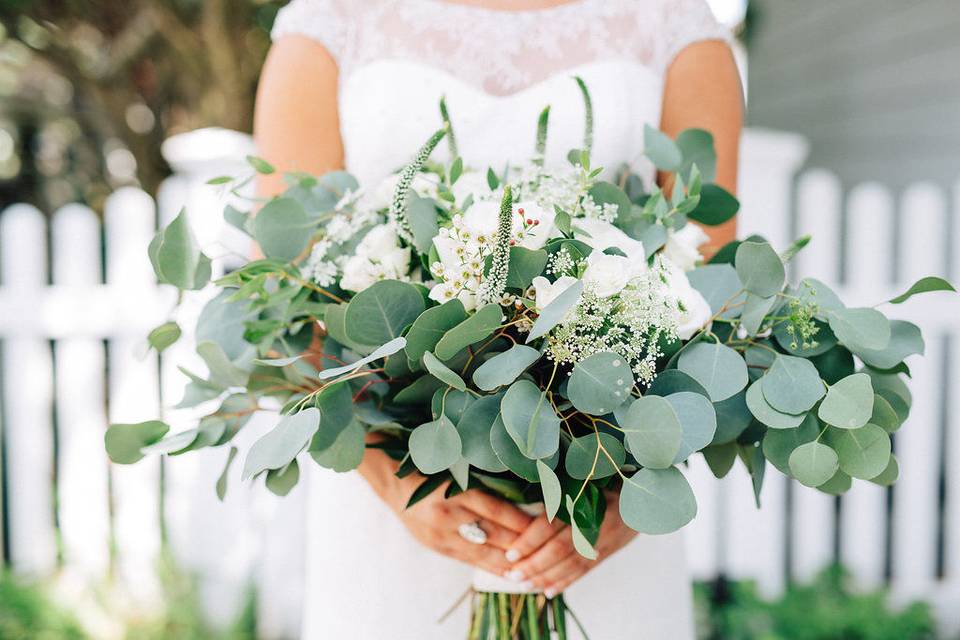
498 51
497 70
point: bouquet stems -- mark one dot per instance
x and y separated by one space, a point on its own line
517 616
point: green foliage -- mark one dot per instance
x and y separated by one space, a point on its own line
826 609
27 612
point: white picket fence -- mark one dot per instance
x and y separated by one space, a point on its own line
869 244
73 356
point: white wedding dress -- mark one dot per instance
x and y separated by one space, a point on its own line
367 578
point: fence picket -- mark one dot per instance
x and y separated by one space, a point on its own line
80 361
28 397
819 214
133 388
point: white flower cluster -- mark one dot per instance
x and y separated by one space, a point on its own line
463 248
379 256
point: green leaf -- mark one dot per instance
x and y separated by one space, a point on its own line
335 403
697 419
219 180
525 265
825 340
280 445
760 269
662 151
474 428
260 165
125 441
889 475
884 415
657 501
382 311
653 431
435 446
923 285
442 372
813 463
282 228
422 215
492 180
509 454
849 403
346 452
600 383
860 329
778 444
607 193
550 485
222 321
905 340
225 475
382 351
716 206
172 444
430 327
280 482
864 452
733 418
418 392
164 336
719 285
766 414
475 328
674 381
834 365
837 485
792 385
718 368
696 147
503 368
176 256
754 311
584 456
553 313
222 371
530 420
720 458
580 542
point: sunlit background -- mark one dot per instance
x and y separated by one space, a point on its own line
114 114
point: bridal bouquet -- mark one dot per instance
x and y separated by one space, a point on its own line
535 332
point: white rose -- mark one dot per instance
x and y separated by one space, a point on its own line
696 309
546 292
395 263
606 274
358 274
601 235
544 228
481 218
682 247
380 240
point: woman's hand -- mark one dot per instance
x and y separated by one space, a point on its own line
546 555
435 520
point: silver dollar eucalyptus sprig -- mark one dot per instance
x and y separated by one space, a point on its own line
398 208
493 288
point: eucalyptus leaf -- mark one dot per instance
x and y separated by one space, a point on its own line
282 229
124 442
164 336
580 542
525 265
849 403
346 451
755 309
674 381
281 482
221 486
474 328
760 269
696 147
530 420
923 285
653 431
792 385
430 326
585 456
889 475
864 453
391 347
509 453
813 463
435 446
382 311
860 328
280 445
600 383
778 444
766 414
222 371
719 285
720 458
553 313
837 485
176 256
698 421
422 215
716 206
335 403
733 418
884 416
905 340
503 368
474 428
718 368
657 501
442 372
662 151
552 493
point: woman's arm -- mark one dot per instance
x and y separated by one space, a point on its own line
703 90
297 128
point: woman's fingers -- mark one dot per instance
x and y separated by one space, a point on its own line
533 537
560 576
494 509
557 549
497 536
484 556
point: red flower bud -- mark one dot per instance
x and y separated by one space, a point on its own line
529 221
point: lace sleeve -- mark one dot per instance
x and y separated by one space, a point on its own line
684 23
324 21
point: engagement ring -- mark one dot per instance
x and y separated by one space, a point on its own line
471 532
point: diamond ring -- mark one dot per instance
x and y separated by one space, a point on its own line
471 532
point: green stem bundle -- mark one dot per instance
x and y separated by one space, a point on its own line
517 616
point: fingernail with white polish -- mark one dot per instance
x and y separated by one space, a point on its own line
549 593
527 586
512 555
515 574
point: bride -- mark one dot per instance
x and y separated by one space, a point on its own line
355 84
